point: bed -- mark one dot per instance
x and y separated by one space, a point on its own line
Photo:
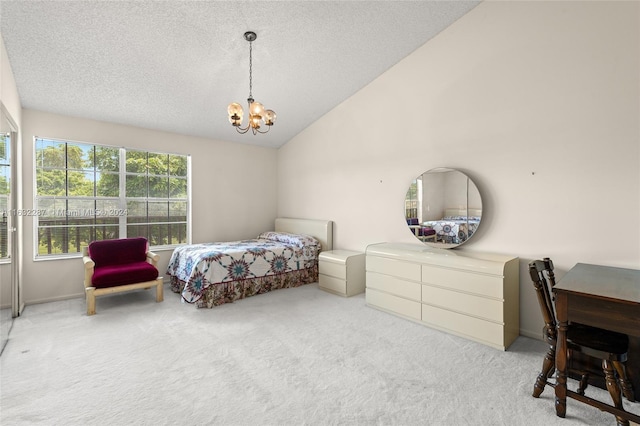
211 274
456 226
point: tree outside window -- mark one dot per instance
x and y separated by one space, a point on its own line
5 193
84 194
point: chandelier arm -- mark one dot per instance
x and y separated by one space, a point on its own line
260 131
242 130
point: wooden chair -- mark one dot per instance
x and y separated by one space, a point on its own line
608 346
114 266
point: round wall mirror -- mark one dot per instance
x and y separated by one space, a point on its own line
443 208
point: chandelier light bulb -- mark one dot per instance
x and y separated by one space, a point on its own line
269 117
256 108
235 114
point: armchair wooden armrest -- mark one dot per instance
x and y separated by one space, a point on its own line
88 270
153 258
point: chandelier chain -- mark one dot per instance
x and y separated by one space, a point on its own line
250 69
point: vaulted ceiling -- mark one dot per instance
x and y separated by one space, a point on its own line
176 65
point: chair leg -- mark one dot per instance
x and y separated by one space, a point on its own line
91 300
584 382
159 291
625 384
614 389
548 364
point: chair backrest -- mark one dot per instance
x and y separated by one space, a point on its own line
544 280
412 221
119 251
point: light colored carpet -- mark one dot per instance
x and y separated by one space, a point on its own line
291 357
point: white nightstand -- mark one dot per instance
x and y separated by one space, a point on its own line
341 272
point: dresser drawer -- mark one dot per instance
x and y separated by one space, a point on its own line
393 285
333 269
389 302
397 268
473 295
469 282
332 284
474 328
470 304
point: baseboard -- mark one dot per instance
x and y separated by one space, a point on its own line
54 299
165 281
530 334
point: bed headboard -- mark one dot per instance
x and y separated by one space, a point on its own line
463 212
320 229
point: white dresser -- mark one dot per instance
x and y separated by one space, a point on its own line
472 295
341 272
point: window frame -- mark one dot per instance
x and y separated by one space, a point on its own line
6 207
120 200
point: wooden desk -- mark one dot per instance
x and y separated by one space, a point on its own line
599 296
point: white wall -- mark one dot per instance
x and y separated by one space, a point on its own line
233 188
538 102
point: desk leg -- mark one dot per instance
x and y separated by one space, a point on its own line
561 355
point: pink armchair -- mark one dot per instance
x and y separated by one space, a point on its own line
423 233
113 266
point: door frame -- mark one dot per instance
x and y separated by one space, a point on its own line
15 222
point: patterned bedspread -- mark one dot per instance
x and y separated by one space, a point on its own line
196 267
454 229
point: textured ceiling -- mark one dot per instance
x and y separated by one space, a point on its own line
176 65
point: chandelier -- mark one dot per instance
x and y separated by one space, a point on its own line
257 114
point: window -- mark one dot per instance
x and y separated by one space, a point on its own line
411 201
156 188
5 193
88 192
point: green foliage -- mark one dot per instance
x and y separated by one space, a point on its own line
107 160
156 175
76 170
5 189
5 148
411 200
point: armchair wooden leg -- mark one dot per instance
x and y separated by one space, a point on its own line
160 290
91 300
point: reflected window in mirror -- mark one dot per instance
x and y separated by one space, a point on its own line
443 208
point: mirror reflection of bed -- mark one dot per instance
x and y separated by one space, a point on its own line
456 225
443 208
